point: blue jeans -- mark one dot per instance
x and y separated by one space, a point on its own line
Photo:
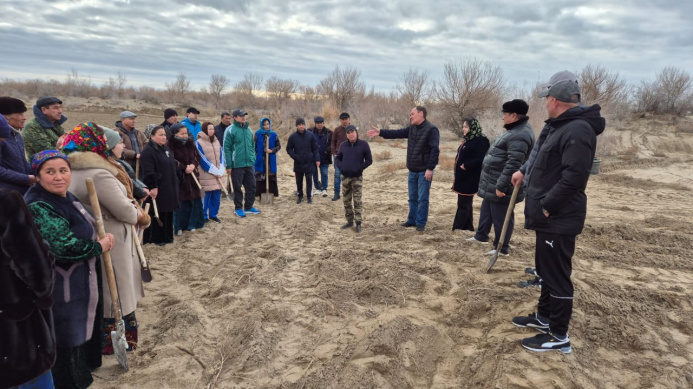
323 177
337 180
419 189
211 203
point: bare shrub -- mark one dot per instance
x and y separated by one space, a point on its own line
393 167
383 155
601 86
148 94
78 85
414 88
178 90
468 87
669 94
608 144
250 83
343 87
685 127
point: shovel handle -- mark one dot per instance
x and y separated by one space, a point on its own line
137 168
196 181
223 187
141 230
508 214
108 264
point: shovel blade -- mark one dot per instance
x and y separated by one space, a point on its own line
492 261
266 198
146 274
120 345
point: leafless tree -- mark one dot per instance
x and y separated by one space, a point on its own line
179 89
280 90
116 86
217 85
414 87
601 86
468 88
251 82
78 85
343 87
669 93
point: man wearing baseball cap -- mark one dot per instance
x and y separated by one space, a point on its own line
239 151
15 171
191 122
353 158
556 205
302 147
42 132
134 140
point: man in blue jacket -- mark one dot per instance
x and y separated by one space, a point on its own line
191 122
556 205
353 158
422 157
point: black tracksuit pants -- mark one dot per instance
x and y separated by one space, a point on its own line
553 259
309 183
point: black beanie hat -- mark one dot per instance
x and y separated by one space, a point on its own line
300 121
517 106
10 105
169 112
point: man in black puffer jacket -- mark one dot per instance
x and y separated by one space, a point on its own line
504 158
557 205
422 157
303 149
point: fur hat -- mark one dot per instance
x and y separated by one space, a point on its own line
517 106
10 105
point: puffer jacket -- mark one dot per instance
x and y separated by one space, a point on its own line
303 149
324 139
14 168
504 158
557 179
211 161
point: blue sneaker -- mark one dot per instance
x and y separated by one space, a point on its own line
252 211
239 213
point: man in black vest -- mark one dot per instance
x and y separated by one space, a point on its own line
422 157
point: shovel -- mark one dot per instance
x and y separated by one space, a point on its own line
141 230
511 208
117 336
156 213
223 189
196 181
229 192
266 197
144 266
137 168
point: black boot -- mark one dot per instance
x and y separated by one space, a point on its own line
358 227
299 199
348 225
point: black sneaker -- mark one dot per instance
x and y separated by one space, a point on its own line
347 225
299 199
335 198
420 228
405 225
531 271
310 200
215 219
531 321
547 342
536 281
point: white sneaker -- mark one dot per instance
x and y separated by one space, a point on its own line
324 193
474 239
179 233
493 252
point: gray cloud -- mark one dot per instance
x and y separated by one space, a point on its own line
151 41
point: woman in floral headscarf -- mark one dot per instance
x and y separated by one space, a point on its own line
88 152
470 155
69 229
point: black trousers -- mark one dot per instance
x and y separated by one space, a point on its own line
553 258
243 177
493 215
464 219
309 183
159 234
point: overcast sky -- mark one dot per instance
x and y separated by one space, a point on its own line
151 41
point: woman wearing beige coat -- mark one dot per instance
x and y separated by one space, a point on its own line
212 173
88 155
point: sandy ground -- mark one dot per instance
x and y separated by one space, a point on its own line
286 299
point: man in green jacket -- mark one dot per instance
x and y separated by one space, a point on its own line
239 150
42 132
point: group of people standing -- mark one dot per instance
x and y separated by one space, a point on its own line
55 309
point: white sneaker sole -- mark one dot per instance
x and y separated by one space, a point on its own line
564 350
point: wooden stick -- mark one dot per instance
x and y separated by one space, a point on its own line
140 235
156 213
196 181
